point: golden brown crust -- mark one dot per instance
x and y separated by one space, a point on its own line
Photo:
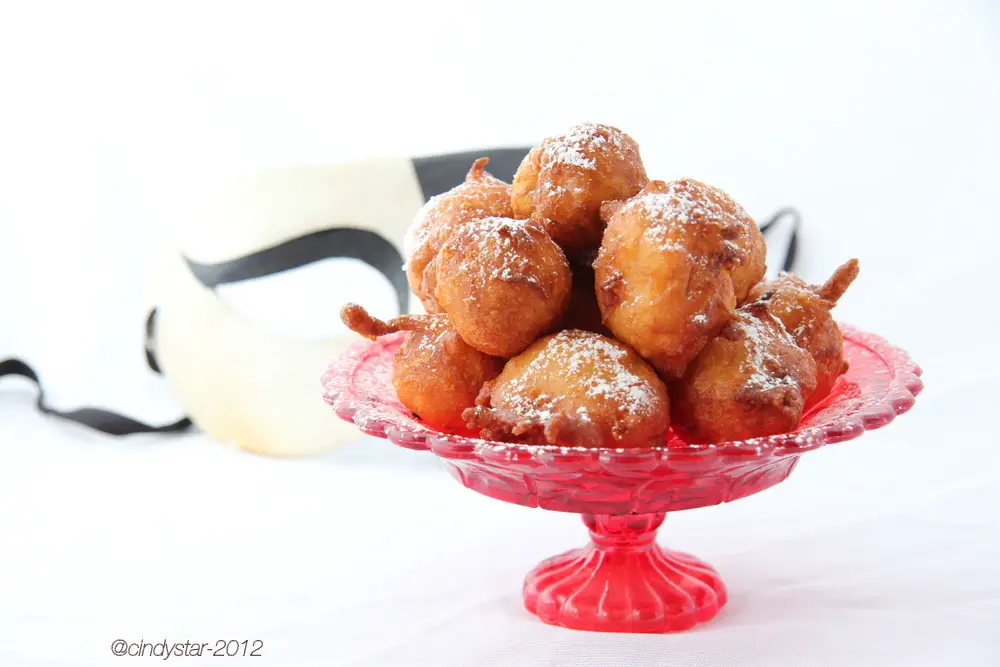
609 208
574 388
664 270
565 179
435 373
358 320
428 287
480 195
752 265
752 380
804 310
838 283
503 282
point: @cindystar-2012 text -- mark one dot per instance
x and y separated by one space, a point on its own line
249 648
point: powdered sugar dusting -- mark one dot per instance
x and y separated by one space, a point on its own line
475 197
552 189
762 340
683 203
500 242
678 206
578 145
599 367
430 341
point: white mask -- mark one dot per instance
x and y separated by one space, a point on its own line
257 387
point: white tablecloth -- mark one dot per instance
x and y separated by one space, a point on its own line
877 121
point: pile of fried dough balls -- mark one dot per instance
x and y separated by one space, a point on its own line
586 305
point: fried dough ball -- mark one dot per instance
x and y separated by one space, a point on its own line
805 311
565 179
480 196
503 283
664 270
750 381
436 374
752 263
583 311
574 388
750 256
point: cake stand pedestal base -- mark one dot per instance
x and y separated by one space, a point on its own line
624 582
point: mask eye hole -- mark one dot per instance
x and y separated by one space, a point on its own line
304 303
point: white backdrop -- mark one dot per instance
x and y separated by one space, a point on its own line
876 119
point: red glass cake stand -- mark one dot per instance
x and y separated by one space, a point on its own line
623 581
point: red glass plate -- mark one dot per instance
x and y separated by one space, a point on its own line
623 581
